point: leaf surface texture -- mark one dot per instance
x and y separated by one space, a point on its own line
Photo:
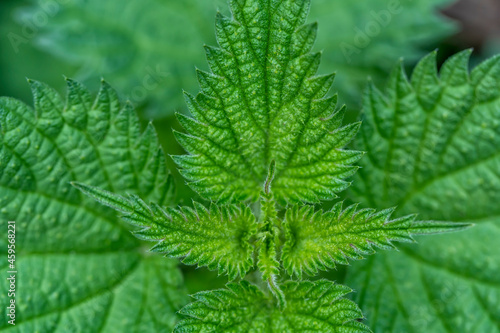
434 147
261 104
79 268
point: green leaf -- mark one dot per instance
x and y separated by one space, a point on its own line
79 268
317 240
218 238
242 307
434 148
150 60
262 103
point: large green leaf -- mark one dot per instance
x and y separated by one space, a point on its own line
434 148
263 104
79 268
149 47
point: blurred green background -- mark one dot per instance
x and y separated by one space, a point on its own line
148 49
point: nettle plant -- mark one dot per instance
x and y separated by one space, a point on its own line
266 144
266 147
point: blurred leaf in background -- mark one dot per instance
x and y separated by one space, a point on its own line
364 39
19 58
148 48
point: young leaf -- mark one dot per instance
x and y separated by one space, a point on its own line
217 238
434 148
262 103
317 240
79 268
241 307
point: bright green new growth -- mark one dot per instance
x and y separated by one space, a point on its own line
81 268
313 307
263 102
218 237
317 240
227 238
